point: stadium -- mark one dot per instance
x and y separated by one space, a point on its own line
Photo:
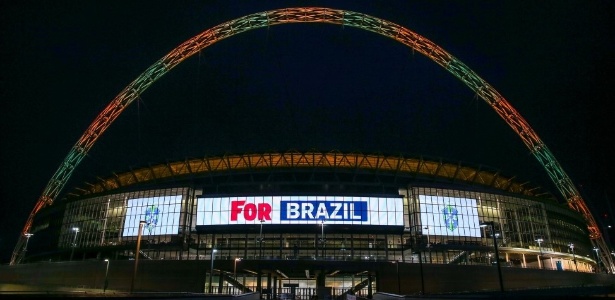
266 213
306 224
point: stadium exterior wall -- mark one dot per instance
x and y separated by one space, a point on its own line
409 223
190 277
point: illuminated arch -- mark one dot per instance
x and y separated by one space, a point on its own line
317 15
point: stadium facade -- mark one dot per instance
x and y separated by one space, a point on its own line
313 207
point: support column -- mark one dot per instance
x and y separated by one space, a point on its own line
275 288
320 279
369 287
321 291
220 282
269 286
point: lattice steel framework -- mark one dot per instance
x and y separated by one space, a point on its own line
331 16
377 164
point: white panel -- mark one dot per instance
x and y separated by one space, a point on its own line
449 216
160 213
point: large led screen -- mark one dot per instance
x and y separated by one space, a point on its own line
300 210
449 216
161 215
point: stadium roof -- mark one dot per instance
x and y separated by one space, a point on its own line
397 166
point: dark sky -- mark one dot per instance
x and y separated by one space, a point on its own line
302 86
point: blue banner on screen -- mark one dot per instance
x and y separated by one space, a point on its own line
323 210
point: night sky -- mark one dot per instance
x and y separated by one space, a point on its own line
303 87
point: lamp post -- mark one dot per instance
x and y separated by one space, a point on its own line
597 260
322 239
28 235
72 252
574 258
25 248
211 269
497 255
106 276
260 240
428 242
539 241
134 274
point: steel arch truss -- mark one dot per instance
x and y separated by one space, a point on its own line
319 15
371 163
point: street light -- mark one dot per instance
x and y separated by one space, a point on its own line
260 240
497 255
322 230
106 276
260 255
539 241
428 243
28 235
574 258
134 274
72 252
211 270
597 260
322 239
25 248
